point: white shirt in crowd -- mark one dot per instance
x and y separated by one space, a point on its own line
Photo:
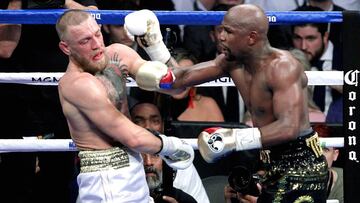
327 57
189 181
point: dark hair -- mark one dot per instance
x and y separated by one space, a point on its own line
322 27
221 7
182 53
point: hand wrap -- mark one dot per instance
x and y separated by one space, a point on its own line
175 152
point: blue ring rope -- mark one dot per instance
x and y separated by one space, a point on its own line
49 16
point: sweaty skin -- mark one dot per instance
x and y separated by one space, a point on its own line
92 91
271 81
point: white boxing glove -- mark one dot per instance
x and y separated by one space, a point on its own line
215 143
175 152
145 26
154 75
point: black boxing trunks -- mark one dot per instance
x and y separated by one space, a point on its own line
296 172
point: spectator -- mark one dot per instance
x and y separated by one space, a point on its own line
9 33
335 183
153 169
273 5
348 4
117 33
15 168
334 29
191 106
148 115
312 39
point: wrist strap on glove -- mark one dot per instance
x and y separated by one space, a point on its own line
248 138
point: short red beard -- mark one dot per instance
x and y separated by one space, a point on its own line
88 65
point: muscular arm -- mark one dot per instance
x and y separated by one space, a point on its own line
200 73
10 33
289 103
90 98
133 61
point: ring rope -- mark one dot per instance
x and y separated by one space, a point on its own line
38 145
36 78
49 16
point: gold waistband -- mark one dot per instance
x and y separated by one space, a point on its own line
101 160
293 149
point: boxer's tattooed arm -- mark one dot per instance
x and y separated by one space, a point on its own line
114 79
120 69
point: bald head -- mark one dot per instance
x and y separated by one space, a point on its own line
70 18
249 17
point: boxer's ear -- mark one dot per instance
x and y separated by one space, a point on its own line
64 47
253 37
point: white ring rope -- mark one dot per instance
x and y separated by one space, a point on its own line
36 78
51 145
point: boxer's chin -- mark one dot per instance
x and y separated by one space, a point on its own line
230 58
228 55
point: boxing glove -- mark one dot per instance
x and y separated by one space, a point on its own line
153 75
144 27
215 143
175 152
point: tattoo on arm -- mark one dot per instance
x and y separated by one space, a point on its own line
115 63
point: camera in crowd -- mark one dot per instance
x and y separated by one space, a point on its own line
243 181
45 4
157 195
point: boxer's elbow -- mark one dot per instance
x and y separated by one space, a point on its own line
6 51
5 55
290 130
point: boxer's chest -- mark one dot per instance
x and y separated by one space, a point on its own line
256 94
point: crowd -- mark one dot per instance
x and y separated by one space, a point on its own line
39 111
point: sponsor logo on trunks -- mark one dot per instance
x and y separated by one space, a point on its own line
314 143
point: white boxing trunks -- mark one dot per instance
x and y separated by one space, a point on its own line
112 175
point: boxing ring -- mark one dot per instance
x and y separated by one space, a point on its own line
50 16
